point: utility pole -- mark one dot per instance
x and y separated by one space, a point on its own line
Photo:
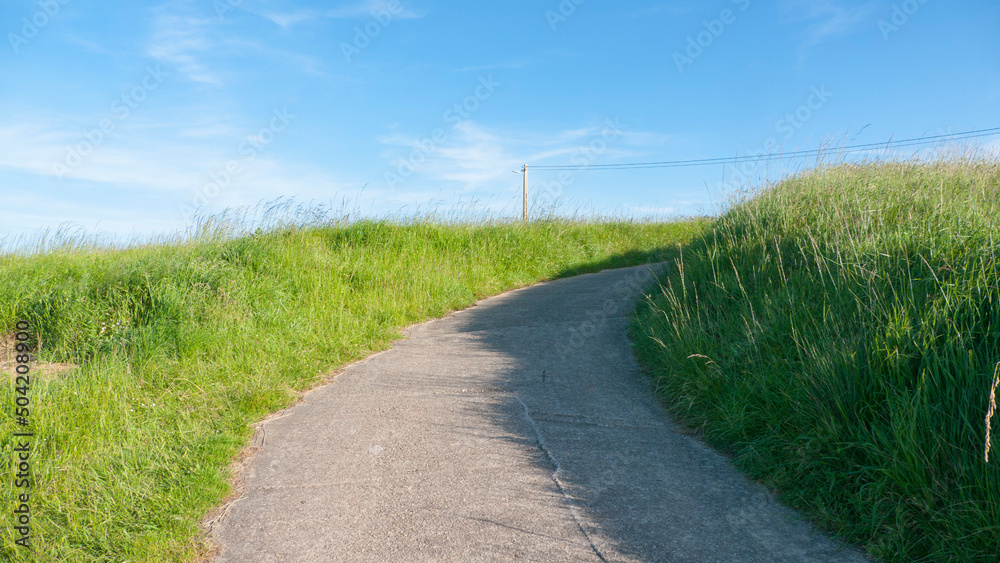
524 171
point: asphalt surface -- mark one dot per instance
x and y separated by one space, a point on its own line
519 429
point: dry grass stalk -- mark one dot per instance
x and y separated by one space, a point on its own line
992 409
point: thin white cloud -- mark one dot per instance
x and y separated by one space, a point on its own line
187 43
508 65
77 217
477 158
31 146
668 9
90 46
37 149
625 138
827 19
835 20
474 157
180 41
210 131
157 165
288 20
519 63
367 8
175 176
471 156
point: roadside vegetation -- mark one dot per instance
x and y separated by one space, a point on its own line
153 361
839 335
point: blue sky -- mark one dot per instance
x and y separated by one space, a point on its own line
123 117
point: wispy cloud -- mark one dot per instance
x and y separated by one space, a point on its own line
191 44
519 63
508 65
827 19
214 130
166 160
476 157
664 8
305 63
180 40
36 147
162 168
90 46
31 146
468 155
288 20
366 8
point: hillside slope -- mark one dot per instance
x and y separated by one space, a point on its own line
178 348
839 333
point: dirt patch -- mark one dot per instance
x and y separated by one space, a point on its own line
6 348
44 371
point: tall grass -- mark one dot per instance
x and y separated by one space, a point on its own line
838 334
180 346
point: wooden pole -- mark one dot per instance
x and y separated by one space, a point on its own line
524 171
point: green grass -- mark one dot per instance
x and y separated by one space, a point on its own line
838 334
181 346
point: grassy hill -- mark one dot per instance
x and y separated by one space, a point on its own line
158 358
839 335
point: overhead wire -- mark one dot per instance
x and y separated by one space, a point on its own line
867 147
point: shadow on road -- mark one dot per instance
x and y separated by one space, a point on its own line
638 489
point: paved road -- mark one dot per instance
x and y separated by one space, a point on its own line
515 430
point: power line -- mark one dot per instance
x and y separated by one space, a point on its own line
916 141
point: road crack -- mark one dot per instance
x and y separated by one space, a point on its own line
555 478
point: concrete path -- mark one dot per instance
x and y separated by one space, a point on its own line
515 430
